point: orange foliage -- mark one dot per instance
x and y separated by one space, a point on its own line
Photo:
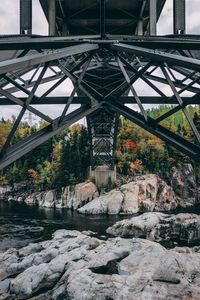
130 145
35 175
135 166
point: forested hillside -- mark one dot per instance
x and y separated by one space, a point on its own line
65 158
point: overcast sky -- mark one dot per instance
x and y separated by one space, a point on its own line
9 24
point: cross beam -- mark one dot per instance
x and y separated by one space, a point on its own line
154 100
26 145
153 127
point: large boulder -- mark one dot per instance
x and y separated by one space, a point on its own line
77 195
110 203
160 227
49 199
184 183
75 265
146 193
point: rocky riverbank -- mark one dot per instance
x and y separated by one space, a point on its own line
76 265
144 193
151 256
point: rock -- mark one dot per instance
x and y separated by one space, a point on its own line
131 202
166 198
20 199
33 198
145 193
76 196
184 184
160 227
71 197
43 199
49 199
106 204
5 189
11 198
86 268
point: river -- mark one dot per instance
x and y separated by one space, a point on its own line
21 224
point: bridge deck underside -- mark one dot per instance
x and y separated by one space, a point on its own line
86 17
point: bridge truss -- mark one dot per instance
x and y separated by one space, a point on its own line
104 69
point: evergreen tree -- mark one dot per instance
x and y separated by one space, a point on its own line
75 162
63 173
84 149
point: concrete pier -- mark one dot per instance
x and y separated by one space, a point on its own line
103 175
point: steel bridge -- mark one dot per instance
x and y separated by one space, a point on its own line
104 47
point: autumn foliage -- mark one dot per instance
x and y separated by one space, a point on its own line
65 158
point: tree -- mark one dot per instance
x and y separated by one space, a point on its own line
62 177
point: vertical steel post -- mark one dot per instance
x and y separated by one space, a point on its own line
153 17
102 18
25 16
140 27
52 17
179 16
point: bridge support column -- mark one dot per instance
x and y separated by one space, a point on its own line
179 16
140 27
103 176
153 17
52 17
25 16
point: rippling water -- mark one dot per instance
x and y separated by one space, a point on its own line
21 224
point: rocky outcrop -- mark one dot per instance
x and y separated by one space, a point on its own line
159 227
71 197
184 184
75 265
5 189
44 199
76 196
146 193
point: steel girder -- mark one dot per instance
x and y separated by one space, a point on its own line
153 127
103 73
172 42
154 100
179 16
35 59
25 16
26 145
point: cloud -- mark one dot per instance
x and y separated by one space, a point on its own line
165 22
9 18
40 25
